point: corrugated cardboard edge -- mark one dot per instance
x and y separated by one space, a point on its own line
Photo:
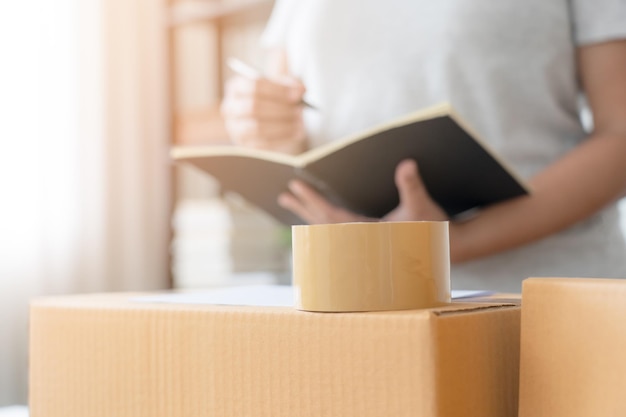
480 373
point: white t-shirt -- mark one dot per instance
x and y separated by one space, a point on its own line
507 67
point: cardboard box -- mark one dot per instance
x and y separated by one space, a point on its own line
573 348
106 355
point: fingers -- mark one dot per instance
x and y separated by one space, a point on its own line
259 108
312 207
415 202
289 202
265 114
409 183
262 99
288 92
249 131
307 204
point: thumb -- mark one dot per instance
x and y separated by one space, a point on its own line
294 86
415 201
409 183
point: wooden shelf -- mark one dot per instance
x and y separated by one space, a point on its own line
194 11
213 28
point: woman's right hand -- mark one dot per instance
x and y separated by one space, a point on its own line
265 113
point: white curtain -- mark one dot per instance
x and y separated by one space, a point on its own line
84 168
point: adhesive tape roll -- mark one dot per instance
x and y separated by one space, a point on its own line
371 266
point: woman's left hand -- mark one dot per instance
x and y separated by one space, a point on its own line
415 202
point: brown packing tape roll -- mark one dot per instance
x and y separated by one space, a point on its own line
371 266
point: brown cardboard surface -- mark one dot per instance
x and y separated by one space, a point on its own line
104 355
377 266
573 348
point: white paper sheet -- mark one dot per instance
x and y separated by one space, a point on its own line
253 295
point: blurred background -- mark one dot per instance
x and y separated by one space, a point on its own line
93 94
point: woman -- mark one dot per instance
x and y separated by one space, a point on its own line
518 72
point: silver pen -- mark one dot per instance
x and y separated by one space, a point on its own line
248 71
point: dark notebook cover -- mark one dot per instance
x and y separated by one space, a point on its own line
357 173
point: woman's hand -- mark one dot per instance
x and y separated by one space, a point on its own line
265 113
415 202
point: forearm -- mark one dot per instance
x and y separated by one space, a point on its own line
570 190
